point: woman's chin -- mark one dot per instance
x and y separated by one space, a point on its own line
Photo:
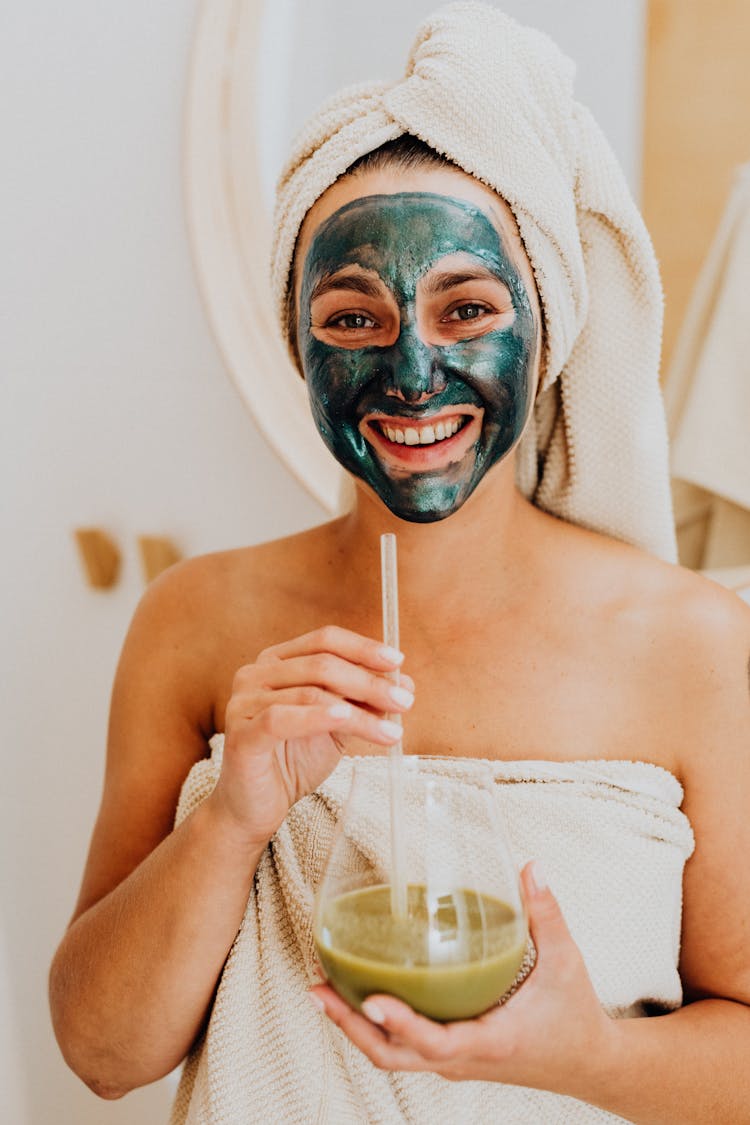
420 502
431 516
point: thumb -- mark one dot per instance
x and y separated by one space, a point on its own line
546 922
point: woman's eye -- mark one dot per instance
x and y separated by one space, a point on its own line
351 322
470 311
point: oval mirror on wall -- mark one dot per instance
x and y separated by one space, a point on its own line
229 229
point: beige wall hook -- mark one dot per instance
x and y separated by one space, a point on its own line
157 553
99 555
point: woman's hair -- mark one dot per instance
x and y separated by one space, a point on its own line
406 154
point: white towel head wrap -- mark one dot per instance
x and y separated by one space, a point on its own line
497 100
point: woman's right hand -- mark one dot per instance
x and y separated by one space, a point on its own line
286 717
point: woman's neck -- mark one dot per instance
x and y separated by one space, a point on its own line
480 552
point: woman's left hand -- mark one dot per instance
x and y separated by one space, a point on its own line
552 1034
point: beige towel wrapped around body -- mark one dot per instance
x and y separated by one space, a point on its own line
614 842
497 99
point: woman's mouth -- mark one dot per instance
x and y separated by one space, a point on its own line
426 443
426 433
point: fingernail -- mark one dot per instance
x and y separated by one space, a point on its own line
401 695
373 1012
391 729
316 1001
538 877
392 655
340 710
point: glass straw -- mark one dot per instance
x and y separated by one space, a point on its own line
389 587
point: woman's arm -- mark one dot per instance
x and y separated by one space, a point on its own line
692 1065
689 1067
134 977
135 972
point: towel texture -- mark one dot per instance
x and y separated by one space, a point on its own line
707 394
268 1057
497 99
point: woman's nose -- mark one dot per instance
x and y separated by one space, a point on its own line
411 368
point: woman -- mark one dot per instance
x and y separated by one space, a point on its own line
483 363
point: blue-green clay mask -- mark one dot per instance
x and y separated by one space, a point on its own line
419 370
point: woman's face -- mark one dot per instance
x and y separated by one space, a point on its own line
418 329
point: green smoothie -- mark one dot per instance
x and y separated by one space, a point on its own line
451 958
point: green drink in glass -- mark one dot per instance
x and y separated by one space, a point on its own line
460 943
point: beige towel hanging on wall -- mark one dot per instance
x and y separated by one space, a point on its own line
707 396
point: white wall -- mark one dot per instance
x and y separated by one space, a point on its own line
116 411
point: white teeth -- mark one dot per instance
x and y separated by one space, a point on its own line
425 435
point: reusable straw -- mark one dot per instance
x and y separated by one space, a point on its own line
389 588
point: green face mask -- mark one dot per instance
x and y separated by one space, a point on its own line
387 413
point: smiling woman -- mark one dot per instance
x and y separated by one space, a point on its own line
479 338
416 332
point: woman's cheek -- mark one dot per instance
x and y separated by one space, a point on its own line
336 376
334 379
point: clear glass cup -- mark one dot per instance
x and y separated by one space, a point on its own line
462 940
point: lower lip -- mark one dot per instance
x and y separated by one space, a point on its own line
436 455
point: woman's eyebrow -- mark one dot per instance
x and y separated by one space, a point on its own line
436 283
357 282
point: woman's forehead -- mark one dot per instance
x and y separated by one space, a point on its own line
451 183
403 235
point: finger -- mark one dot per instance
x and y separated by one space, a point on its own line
406 681
547 925
280 722
371 1040
342 677
246 703
299 696
434 1041
343 642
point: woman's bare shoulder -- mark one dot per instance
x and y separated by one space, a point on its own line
670 600
691 622
704 631
693 640
683 611
675 643
209 586
212 613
